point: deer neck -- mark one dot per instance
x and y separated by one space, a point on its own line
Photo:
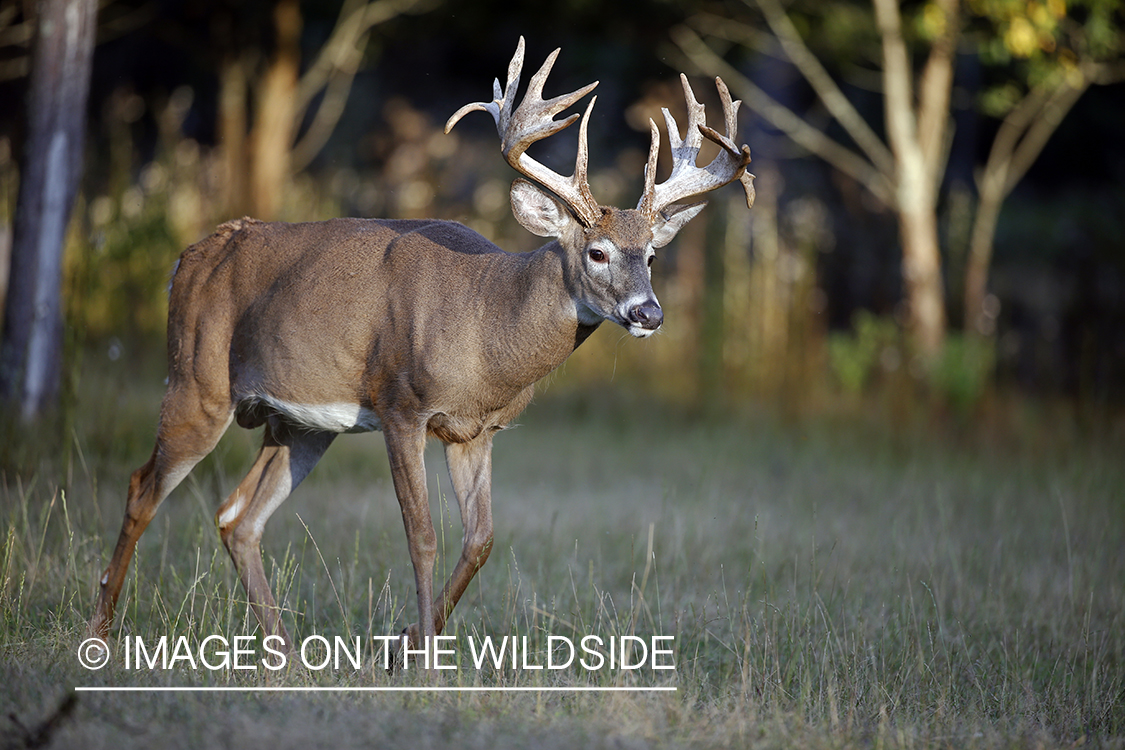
541 325
563 276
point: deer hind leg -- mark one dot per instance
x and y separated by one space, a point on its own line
470 470
288 454
188 431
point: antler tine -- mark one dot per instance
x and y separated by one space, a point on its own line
687 179
502 99
649 193
533 120
539 113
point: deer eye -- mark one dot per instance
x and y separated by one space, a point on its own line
597 255
651 258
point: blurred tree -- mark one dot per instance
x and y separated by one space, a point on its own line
262 152
31 351
16 33
1067 49
905 172
17 29
1060 51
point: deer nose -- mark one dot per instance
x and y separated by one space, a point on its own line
647 315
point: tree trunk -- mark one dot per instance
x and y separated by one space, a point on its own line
980 254
921 272
273 134
232 135
917 140
31 355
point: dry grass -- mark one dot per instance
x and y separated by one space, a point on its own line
827 586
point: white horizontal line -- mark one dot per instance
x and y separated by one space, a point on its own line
392 689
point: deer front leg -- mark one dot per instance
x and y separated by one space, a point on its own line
470 470
405 447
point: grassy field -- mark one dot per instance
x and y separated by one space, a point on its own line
828 584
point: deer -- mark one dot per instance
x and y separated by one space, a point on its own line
418 328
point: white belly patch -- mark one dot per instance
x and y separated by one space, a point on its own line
338 417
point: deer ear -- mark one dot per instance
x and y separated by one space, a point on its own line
538 212
671 220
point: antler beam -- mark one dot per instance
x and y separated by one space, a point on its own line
687 179
533 121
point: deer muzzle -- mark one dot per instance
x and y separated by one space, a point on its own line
644 318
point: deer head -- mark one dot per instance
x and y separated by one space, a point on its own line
609 252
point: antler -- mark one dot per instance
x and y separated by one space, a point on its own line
534 120
686 178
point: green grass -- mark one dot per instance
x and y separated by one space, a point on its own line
828 584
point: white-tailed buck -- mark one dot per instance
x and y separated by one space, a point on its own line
416 328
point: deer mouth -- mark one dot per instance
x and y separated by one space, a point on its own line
639 331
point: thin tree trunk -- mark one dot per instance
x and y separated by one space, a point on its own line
232 134
31 355
989 202
1018 143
